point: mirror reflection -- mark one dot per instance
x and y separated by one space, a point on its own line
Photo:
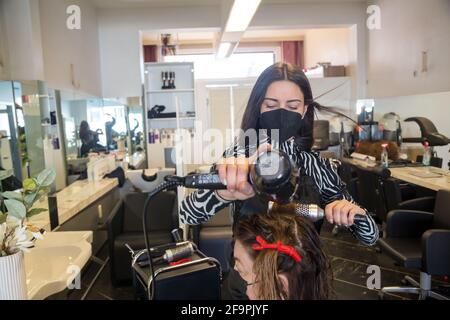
95 126
22 104
136 127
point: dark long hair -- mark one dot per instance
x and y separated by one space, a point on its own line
278 72
84 131
309 279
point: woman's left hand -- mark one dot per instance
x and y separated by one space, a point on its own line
341 212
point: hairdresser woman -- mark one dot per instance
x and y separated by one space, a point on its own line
281 99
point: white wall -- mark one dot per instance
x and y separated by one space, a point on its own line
314 15
120 40
327 45
20 22
409 27
119 34
63 47
433 106
4 59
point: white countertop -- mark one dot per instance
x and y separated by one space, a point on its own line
72 200
408 174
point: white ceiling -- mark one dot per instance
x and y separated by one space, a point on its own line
168 3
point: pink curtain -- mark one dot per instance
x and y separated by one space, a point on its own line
292 52
150 53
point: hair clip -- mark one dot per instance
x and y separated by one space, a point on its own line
279 246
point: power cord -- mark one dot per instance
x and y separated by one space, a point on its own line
171 182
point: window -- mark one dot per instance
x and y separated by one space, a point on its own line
238 65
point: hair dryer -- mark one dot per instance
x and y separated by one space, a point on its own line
273 176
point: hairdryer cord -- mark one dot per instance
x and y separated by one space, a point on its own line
163 186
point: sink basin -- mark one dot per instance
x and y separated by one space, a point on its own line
55 262
60 238
135 177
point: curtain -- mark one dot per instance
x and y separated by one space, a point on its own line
292 52
150 53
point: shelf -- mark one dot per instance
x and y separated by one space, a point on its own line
170 90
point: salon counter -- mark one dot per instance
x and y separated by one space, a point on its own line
427 177
83 205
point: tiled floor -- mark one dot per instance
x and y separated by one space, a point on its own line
348 258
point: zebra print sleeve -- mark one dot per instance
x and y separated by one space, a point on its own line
366 231
331 187
200 206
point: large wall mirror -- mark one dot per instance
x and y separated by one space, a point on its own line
84 131
135 121
22 105
95 126
42 127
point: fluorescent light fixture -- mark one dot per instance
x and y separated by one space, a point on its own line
241 14
224 47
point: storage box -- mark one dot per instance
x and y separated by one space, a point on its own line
334 71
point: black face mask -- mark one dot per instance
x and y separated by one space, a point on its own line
289 123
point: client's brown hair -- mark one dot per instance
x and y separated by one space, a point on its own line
309 279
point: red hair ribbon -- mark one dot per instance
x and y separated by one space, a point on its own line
280 247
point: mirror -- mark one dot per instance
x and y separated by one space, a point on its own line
23 104
115 125
84 131
92 125
135 122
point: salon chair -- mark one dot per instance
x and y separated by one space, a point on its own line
420 240
348 175
214 237
399 195
321 135
125 227
370 190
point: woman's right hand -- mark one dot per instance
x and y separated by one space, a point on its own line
233 173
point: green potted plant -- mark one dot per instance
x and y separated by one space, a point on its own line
16 236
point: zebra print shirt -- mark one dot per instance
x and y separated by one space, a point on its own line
201 205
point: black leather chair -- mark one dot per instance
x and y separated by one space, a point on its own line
420 240
125 227
214 236
321 135
401 195
348 175
370 190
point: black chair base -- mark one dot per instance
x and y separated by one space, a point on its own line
422 289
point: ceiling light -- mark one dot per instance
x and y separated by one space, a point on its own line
223 50
241 14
